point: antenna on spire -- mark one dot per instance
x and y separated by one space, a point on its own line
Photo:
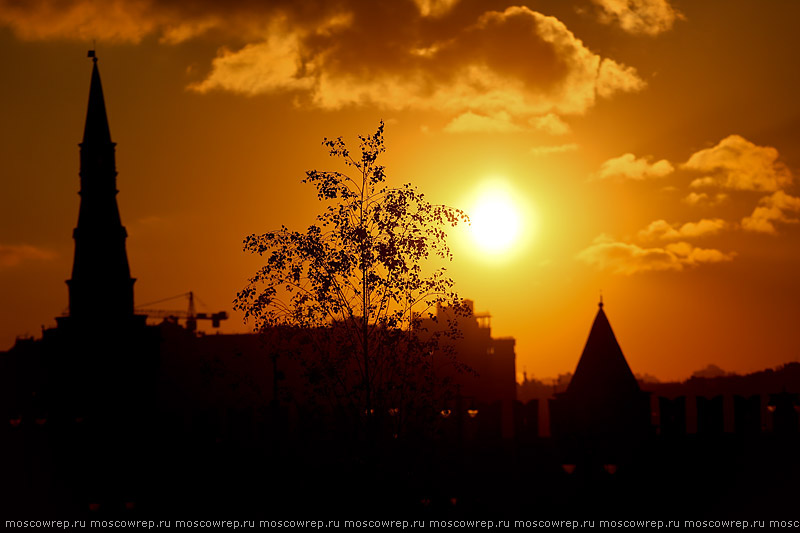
600 304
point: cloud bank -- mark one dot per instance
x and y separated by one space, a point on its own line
514 68
517 63
704 199
626 258
736 163
662 230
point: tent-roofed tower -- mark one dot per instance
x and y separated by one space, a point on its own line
603 400
101 286
602 368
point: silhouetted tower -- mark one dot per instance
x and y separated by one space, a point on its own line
602 372
101 286
603 402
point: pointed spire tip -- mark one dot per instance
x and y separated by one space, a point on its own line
96 128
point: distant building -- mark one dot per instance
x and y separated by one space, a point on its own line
227 385
488 376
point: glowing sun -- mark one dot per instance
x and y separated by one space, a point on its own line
496 220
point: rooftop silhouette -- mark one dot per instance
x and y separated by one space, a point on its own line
602 368
603 403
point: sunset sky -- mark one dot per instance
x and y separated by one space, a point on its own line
645 148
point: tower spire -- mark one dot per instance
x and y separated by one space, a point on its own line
101 286
96 127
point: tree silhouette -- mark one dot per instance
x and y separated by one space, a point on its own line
356 285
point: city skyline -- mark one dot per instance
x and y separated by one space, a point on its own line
667 182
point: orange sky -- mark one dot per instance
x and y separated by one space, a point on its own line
654 147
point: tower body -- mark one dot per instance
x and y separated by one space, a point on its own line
101 287
107 357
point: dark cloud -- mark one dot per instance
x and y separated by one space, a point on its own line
517 63
456 57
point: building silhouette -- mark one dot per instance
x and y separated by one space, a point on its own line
85 392
104 403
108 414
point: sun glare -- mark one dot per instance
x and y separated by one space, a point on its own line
496 219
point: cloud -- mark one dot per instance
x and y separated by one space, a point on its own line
615 77
14 254
628 166
626 258
518 62
502 122
472 122
648 17
117 20
659 229
171 21
112 21
772 209
271 63
736 163
423 54
703 227
663 230
550 123
557 149
704 199
435 8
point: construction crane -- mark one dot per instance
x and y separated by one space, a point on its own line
190 315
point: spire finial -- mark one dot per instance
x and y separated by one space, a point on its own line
600 304
92 53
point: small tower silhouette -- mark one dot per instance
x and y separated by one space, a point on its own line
603 403
602 370
101 285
